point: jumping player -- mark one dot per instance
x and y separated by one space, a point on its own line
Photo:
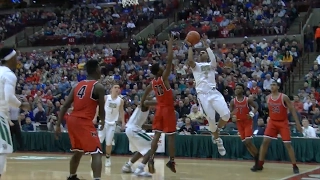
138 139
165 118
240 106
209 98
114 111
278 105
86 96
8 81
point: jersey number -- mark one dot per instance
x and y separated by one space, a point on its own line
239 110
159 90
275 109
81 92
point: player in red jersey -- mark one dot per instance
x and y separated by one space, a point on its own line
86 96
165 118
278 105
240 106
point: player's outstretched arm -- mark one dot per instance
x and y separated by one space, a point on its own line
292 111
254 105
211 55
168 69
232 107
150 103
190 61
9 89
146 93
100 92
65 107
147 127
121 114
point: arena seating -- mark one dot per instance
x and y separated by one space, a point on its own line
238 20
14 23
237 63
109 25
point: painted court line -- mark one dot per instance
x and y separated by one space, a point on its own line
303 173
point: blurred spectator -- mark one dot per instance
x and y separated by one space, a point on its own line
28 126
261 128
236 18
308 131
187 128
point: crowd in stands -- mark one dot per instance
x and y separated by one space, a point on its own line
46 78
84 25
236 18
11 24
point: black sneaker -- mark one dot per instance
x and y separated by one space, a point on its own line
296 170
256 168
151 168
172 166
73 178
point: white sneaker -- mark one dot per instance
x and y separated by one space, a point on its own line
141 173
219 142
108 162
126 168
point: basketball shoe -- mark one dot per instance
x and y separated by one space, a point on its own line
126 168
141 173
108 162
73 177
219 142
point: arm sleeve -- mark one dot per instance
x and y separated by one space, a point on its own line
212 57
9 89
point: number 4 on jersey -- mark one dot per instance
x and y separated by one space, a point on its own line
81 92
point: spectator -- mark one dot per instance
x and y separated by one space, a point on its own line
195 115
308 131
317 37
187 128
267 83
260 129
28 126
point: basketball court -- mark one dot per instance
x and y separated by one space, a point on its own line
33 166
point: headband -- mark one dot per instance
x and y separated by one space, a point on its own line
11 55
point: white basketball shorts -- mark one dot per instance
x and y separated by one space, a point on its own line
107 134
212 102
139 140
6 145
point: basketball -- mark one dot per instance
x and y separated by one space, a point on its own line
193 37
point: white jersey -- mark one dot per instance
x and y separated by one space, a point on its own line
137 119
204 75
7 77
112 109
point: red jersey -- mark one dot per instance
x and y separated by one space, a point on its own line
242 108
84 105
164 96
277 109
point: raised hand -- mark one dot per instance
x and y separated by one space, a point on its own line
171 38
204 41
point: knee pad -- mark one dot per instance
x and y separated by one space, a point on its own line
226 117
3 160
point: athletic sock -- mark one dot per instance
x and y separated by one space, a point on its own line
141 165
171 159
72 175
294 165
129 163
260 163
107 155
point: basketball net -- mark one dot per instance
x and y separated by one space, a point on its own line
126 3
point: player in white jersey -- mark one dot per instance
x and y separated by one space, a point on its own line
210 99
140 141
114 111
8 99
